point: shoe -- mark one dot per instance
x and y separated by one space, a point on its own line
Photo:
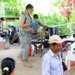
26 64
11 42
20 56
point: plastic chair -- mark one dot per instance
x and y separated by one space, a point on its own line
70 55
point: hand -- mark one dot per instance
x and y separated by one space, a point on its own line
33 23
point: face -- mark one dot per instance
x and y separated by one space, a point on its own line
30 11
44 28
35 19
56 48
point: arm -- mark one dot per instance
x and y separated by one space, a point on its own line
43 25
45 67
22 25
22 21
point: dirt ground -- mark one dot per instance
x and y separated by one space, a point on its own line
20 69
36 61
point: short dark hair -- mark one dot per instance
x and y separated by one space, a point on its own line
29 6
7 63
2 18
35 16
53 44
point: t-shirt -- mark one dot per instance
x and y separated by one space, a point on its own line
27 19
34 29
1 27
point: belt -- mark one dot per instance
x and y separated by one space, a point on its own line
24 31
27 31
33 33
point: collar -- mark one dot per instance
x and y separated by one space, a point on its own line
52 54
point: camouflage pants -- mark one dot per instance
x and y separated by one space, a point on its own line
25 42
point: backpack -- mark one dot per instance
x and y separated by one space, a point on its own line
25 17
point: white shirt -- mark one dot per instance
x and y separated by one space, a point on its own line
51 64
1 27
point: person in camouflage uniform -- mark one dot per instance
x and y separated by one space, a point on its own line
25 38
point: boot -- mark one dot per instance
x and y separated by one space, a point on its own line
20 56
12 42
26 64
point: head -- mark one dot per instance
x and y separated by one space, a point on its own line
55 43
2 19
44 28
29 8
35 16
7 66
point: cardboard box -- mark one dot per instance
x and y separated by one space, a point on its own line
4 45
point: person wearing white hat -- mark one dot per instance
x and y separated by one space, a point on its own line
51 61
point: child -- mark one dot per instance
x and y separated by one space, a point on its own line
7 66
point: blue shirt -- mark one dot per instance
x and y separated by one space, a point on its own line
52 64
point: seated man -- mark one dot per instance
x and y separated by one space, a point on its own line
1 25
45 36
15 37
3 28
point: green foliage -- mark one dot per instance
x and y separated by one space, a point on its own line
16 22
72 16
10 7
11 12
51 20
64 30
73 27
56 3
1 9
6 25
